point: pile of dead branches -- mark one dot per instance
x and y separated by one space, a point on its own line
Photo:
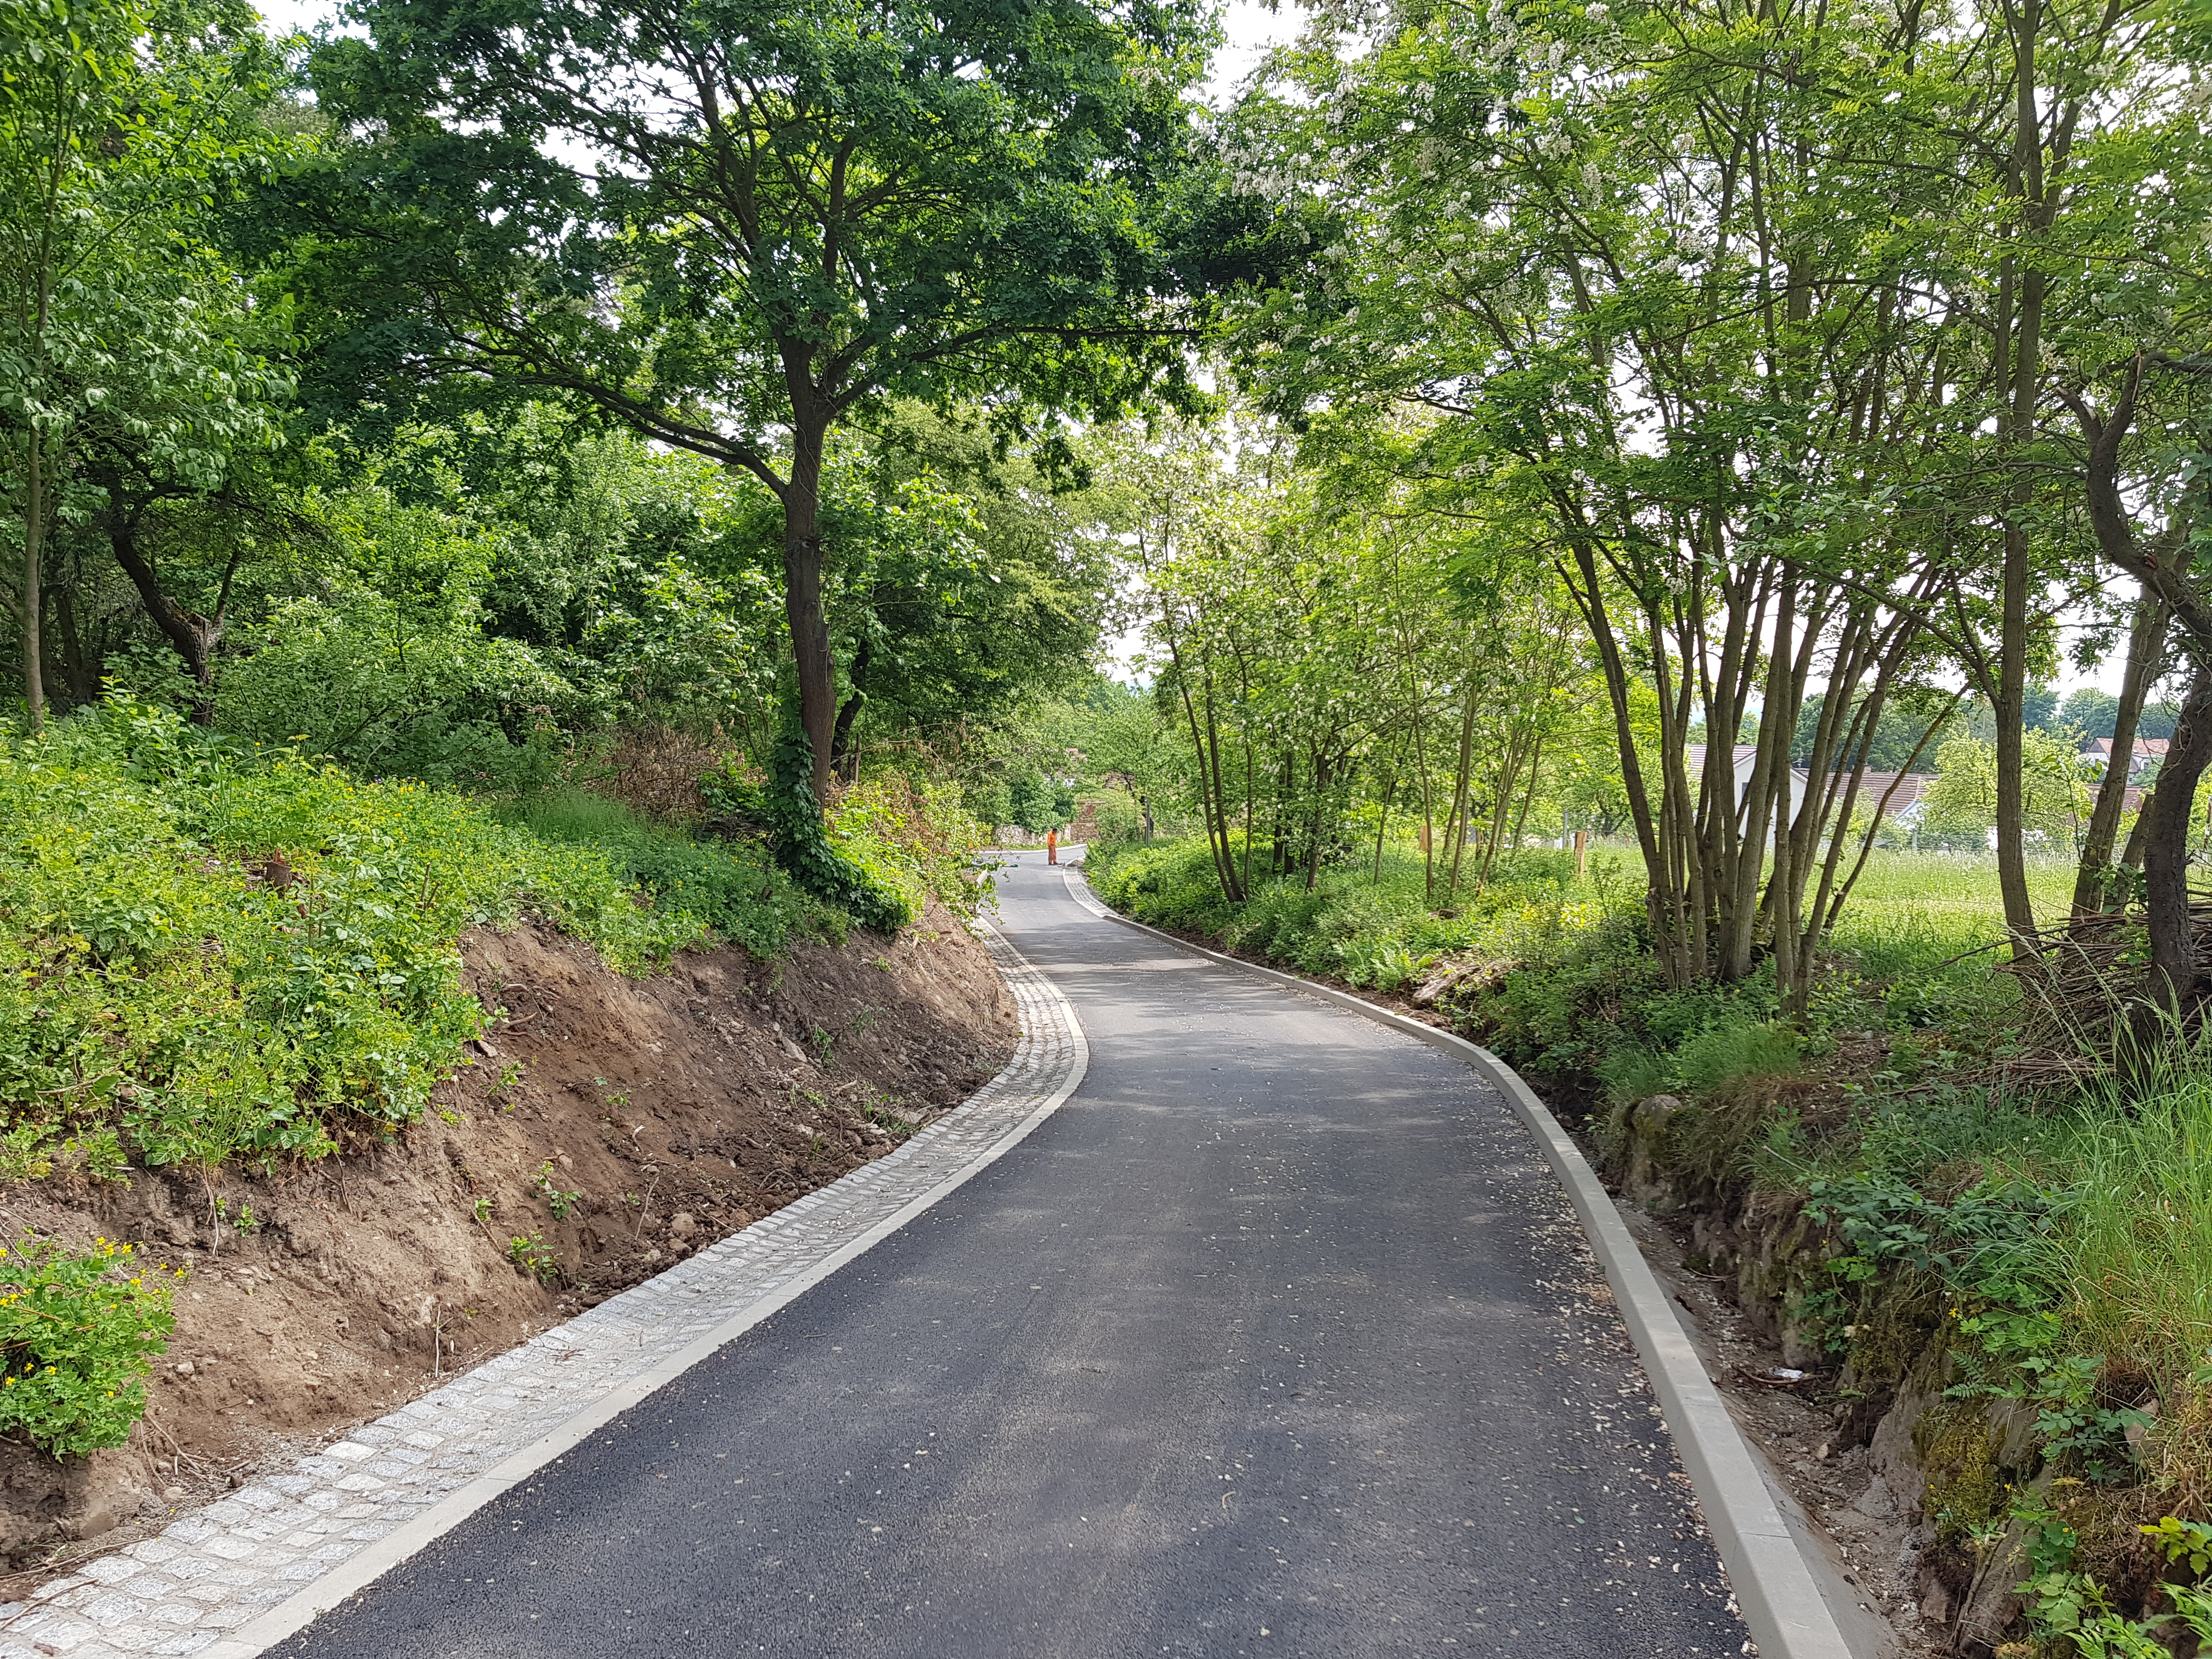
2087 987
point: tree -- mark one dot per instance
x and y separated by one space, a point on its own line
121 123
1964 797
1665 274
2091 713
2171 570
733 224
1900 739
1129 744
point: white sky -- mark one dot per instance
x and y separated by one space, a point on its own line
282 16
1251 30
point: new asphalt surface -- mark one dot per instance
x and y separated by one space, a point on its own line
1277 1338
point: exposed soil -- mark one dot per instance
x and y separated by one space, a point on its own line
1862 1505
611 1125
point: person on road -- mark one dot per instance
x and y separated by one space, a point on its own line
1052 847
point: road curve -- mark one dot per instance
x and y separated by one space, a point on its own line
1278 1339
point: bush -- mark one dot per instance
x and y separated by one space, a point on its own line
217 953
76 1334
786 808
922 841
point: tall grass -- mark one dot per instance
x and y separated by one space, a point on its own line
1950 900
2136 1226
735 888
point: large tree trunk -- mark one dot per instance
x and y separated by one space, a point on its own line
802 596
79 667
2011 700
2173 977
2093 883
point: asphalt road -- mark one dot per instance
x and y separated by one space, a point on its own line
1277 1338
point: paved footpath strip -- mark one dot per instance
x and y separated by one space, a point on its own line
1277 1338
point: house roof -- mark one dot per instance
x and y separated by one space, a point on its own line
1900 789
2147 748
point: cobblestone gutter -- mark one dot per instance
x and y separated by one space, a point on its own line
230 1580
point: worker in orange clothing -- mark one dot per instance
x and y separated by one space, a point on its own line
1052 847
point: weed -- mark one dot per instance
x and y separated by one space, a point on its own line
560 1202
529 1253
877 1108
731 885
77 1332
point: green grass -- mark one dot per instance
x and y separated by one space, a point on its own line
1949 900
2137 1235
734 888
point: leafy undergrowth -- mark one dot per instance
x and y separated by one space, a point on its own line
1381 934
77 1333
2053 1244
915 838
731 887
207 955
212 956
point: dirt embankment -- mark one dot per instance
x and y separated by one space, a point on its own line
604 1128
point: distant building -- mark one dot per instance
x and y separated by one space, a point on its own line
1905 793
2097 757
1741 759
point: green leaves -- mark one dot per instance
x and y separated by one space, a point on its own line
786 808
248 956
76 1334
883 200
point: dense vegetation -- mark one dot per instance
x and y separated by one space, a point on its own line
1599 495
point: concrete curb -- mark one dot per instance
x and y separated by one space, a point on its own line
289 1617
1776 1590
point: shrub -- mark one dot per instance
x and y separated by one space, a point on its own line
922 841
218 953
786 808
77 1335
